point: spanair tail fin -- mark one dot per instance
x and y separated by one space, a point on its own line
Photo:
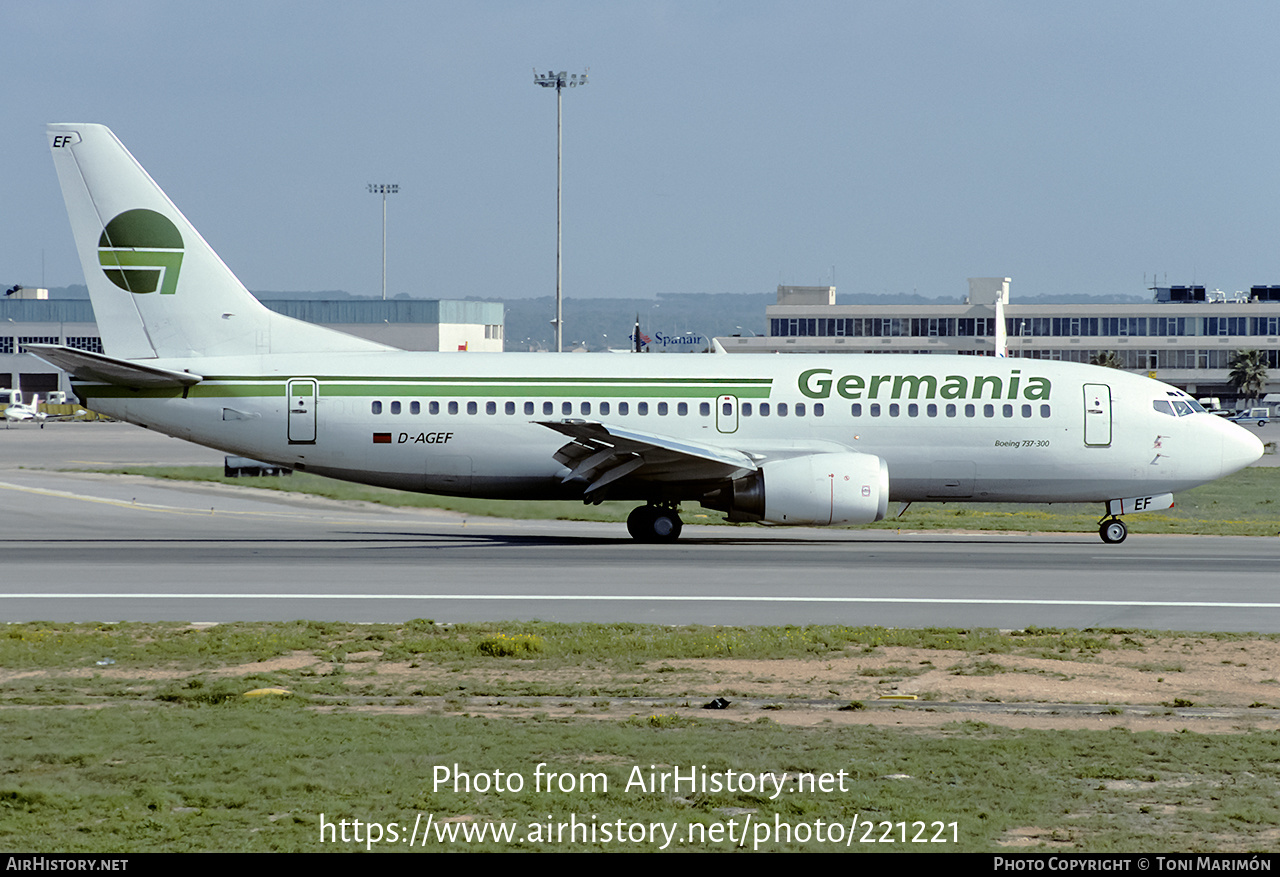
158 289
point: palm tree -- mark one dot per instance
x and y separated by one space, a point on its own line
1249 373
1106 358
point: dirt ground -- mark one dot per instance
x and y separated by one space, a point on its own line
1206 686
1165 683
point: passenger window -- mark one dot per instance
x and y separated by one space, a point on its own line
764 409
1044 410
395 407
415 408
642 408
856 409
704 409
491 407
913 410
746 409
970 410
453 407
1008 411
818 409
799 409
1026 410
548 408
662 409
624 408
894 409
566 408
682 409
471 408
988 411
604 408
875 409
528 408
782 409
510 408
376 407
433 407
585 408
932 410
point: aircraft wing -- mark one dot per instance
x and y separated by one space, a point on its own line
88 366
601 454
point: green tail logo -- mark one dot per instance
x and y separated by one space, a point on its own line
141 251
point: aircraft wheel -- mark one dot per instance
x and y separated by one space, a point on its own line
666 525
649 523
1113 532
638 523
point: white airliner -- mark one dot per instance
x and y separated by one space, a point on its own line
800 440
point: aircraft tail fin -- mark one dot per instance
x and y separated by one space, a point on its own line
158 289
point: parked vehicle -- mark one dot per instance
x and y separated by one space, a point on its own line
1249 415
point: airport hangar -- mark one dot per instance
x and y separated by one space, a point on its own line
1185 337
30 317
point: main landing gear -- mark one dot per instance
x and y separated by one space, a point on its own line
1113 531
654 523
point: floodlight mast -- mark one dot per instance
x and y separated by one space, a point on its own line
384 189
559 81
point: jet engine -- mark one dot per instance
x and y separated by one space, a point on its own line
813 490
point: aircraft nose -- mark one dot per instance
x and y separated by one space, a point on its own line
1240 448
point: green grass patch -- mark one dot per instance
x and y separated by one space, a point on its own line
174 757
57 645
269 776
978 668
1243 504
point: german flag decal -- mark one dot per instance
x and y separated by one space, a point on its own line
382 438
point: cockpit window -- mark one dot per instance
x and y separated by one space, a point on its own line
1177 407
1182 397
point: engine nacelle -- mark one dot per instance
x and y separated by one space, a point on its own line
814 490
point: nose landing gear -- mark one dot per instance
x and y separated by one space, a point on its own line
654 523
1113 531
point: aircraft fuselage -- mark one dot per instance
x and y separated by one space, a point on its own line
976 429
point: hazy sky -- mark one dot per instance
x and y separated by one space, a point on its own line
719 147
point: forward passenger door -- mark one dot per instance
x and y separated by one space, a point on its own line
1097 415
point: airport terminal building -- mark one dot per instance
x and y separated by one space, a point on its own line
1185 336
30 317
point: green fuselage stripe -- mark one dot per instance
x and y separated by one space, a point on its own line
454 388
504 379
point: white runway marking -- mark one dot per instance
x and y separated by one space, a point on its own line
639 598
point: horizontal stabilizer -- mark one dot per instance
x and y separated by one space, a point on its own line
86 366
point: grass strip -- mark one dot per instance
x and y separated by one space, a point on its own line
145 645
261 775
1243 504
172 756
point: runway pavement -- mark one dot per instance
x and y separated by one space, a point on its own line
87 546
